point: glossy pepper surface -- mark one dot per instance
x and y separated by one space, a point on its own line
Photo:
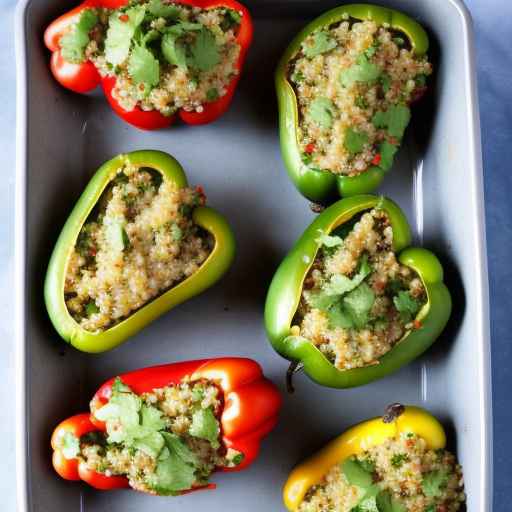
398 419
324 186
286 289
84 77
251 406
212 269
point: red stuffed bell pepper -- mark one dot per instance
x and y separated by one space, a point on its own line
164 429
134 36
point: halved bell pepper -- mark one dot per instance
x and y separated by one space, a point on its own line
251 407
84 77
324 186
397 419
217 263
286 288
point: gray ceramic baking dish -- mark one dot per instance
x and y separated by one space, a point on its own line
63 137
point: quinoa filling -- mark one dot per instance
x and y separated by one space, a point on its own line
400 475
165 56
164 442
357 300
354 81
139 241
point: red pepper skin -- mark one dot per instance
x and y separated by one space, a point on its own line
251 406
84 77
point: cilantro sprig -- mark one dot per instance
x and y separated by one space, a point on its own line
322 42
74 42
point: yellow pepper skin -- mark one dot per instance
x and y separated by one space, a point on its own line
357 439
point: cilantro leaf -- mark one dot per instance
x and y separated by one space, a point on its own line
180 448
205 426
328 240
340 284
176 467
74 42
406 305
385 81
120 34
70 446
387 503
361 71
387 152
434 482
159 9
338 317
151 418
212 94
321 111
118 386
395 119
176 232
322 42
143 67
151 444
91 308
174 51
398 459
204 51
321 300
354 141
358 304
356 473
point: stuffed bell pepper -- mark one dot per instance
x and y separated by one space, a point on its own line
352 302
164 430
344 86
397 463
154 59
138 242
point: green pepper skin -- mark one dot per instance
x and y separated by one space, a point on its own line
210 271
286 288
323 186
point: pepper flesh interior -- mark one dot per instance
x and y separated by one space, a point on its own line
353 82
139 241
357 300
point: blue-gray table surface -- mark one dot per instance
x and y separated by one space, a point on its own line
493 28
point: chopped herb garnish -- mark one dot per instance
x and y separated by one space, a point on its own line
361 102
205 426
398 459
434 482
322 42
204 51
74 42
385 81
354 141
321 111
328 240
406 305
143 67
387 503
91 308
341 284
176 232
70 445
362 71
212 94
356 473
387 152
159 9
238 458
399 41
395 119
421 80
298 77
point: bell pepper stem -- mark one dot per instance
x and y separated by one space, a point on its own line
316 207
392 412
295 367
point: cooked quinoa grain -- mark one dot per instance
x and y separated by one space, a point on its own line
165 56
164 442
357 300
354 81
411 476
140 241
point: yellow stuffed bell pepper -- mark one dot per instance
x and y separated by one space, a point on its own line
398 421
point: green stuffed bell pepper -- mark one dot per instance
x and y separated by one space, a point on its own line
344 96
138 242
352 301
